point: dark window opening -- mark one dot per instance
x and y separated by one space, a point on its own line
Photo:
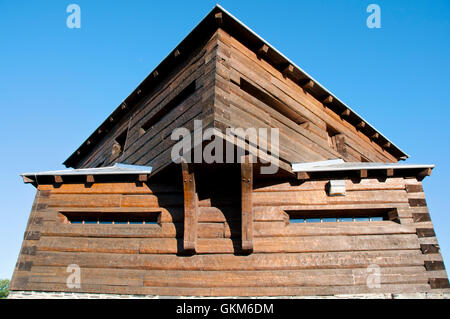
124 218
271 101
119 143
332 137
342 216
177 100
336 140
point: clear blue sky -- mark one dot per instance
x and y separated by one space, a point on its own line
58 84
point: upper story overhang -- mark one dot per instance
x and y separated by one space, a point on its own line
220 18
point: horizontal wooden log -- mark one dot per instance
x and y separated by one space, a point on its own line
163 230
217 246
234 291
291 261
321 198
280 229
281 278
112 188
90 276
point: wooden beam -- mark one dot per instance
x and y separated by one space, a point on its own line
155 73
424 173
176 53
387 145
375 136
143 178
361 125
219 18
308 84
346 113
288 70
390 172
363 173
303 175
327 100
247 204
27 180
58 179
263 50
90 179
191 210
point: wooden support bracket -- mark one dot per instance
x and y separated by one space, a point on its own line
219 19
426 172
247 204
363 173
288 70
327 100
346 113
190 208
143 178
308 85
303 175
361 125
263 50
27 179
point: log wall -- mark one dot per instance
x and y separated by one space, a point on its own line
233 87
287 258
169 108
250 92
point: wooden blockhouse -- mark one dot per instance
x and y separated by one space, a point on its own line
339 216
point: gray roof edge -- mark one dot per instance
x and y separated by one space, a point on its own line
117 169
350 166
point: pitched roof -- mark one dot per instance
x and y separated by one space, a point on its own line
219 17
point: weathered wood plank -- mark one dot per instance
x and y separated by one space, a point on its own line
266 261
247 204
282 278
190 208
218 246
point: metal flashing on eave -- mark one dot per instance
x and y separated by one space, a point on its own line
253 41
303 170
116 170
348 166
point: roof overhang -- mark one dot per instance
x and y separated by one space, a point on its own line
337 168
220 18
119 172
